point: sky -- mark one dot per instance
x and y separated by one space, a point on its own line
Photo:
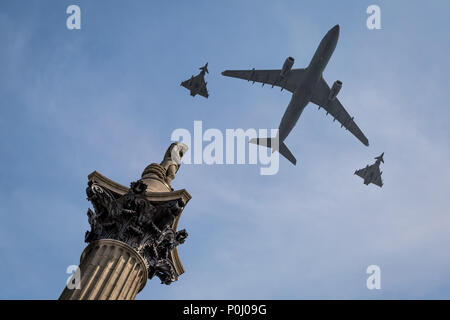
107 98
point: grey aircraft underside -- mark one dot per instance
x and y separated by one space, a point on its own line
197 84
306 85
372 173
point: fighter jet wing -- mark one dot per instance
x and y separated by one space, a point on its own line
335 108
203 92
378 181
361 172
186 84
271 77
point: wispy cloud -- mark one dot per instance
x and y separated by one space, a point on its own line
110 104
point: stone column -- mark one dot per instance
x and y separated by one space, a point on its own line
133 237
109 270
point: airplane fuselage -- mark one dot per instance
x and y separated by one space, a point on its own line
370 176
302 94
372 173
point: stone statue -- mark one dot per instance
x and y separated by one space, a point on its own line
133 235
158 177
172 160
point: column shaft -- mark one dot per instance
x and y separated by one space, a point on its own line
110 270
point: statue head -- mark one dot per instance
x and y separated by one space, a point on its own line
176 152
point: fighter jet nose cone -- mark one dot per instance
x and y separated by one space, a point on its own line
336 28
333 32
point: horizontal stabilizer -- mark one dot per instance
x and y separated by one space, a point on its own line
285 152
380 157
282 148
262 142
204 68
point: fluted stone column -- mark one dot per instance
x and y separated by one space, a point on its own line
109 270
133 238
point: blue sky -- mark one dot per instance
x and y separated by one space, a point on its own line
107 98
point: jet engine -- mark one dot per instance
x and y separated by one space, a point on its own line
287 66
337 85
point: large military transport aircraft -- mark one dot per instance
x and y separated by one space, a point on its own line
307 85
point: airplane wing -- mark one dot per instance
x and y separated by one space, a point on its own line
378 181
185 84
188 84
271 77
335 108
203 92
361 173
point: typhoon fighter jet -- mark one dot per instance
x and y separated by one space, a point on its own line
306 85
197 84
372 173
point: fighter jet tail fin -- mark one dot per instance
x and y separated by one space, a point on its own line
380 157
275 146
204 68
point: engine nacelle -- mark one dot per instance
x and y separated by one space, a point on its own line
287 66
337 85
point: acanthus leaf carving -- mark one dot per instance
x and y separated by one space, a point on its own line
138 222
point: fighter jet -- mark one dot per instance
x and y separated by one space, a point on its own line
372 173
306 85
197 84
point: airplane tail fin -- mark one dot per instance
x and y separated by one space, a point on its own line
282 148
205 68
380 157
